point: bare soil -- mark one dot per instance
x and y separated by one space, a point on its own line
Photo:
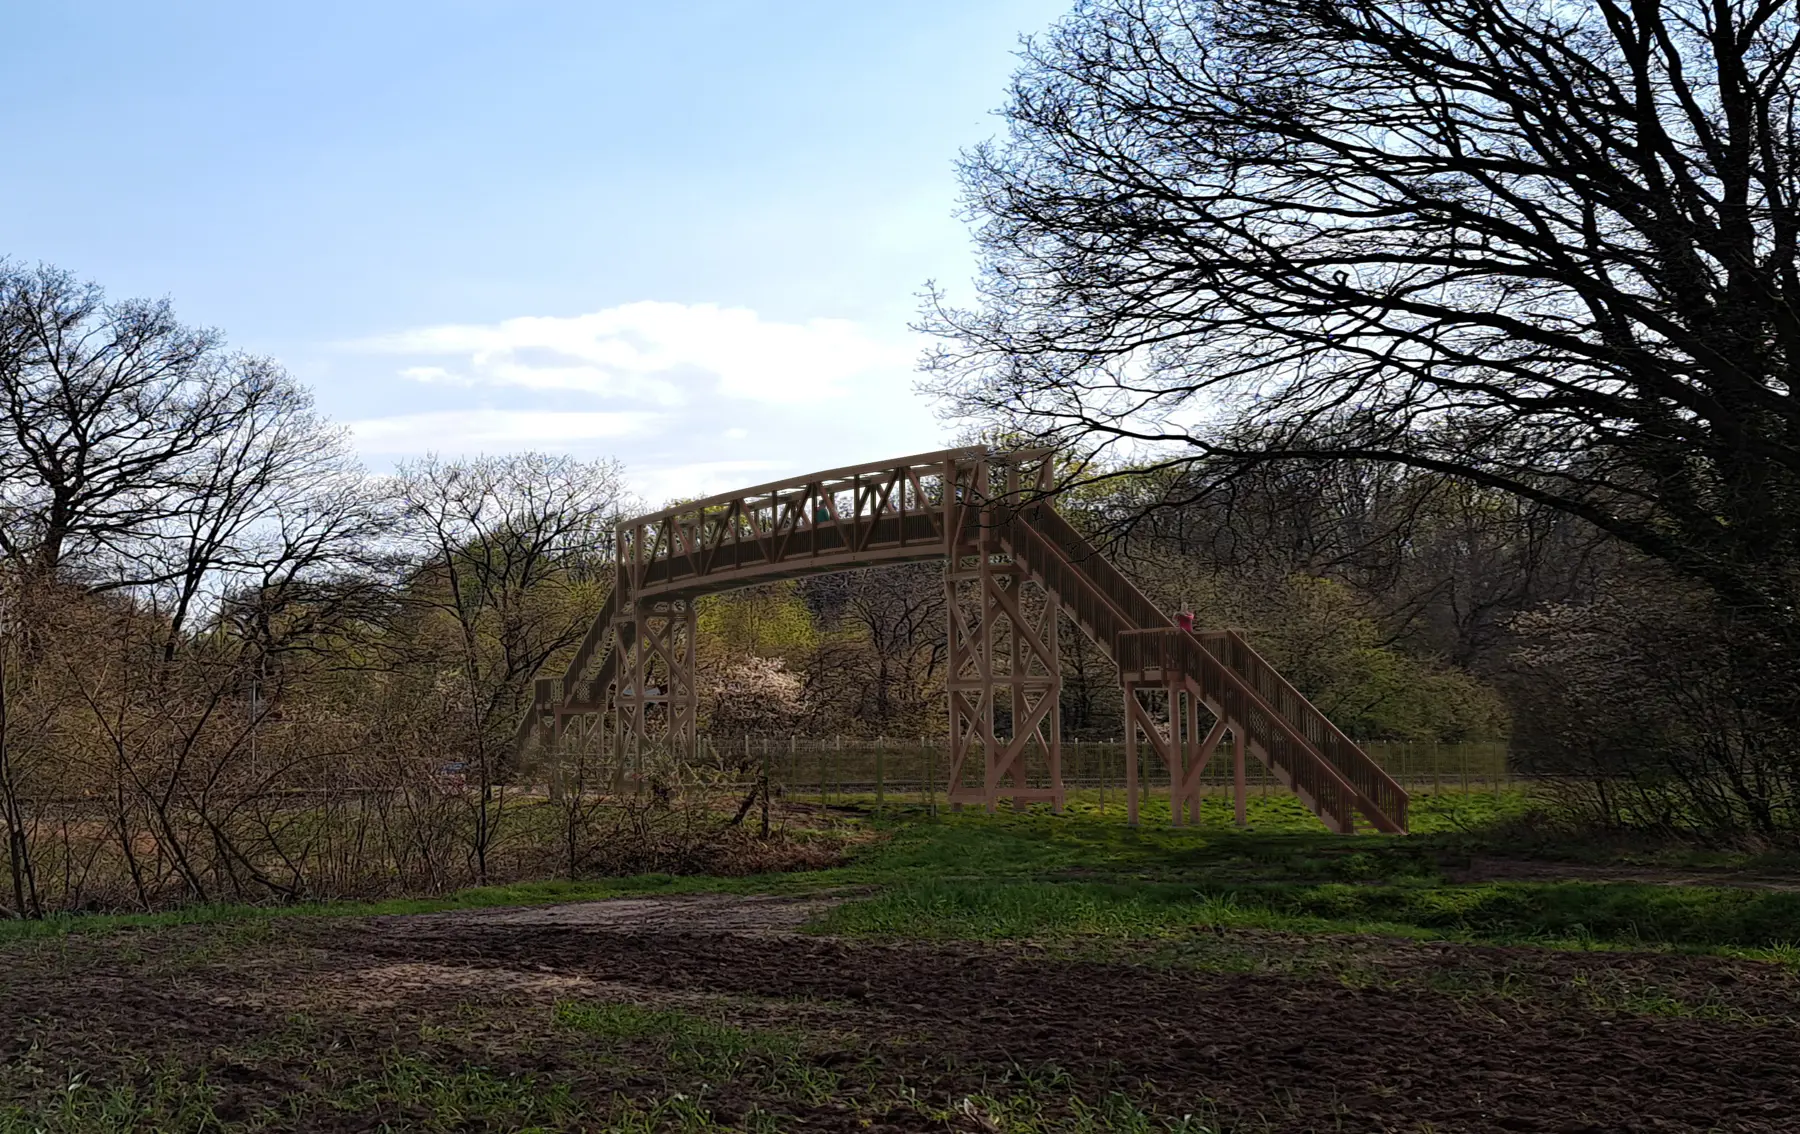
697 913
1377 1036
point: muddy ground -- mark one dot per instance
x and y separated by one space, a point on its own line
286 1023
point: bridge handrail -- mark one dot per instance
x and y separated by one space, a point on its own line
923 462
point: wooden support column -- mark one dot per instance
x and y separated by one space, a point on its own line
1173 754
659 696
968 680
1003 652
1163 739
1238 786
1203 751
1131 756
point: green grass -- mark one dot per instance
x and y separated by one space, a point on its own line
687 1041
164 1100
1573 914
480 897
1088 874
417 1094
1018 876
1275 813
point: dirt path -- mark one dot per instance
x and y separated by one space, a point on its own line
697 913
1463 1039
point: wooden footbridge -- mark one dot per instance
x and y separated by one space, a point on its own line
1012 565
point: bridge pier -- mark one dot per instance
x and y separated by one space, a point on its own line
1004 678
658 698
1185 735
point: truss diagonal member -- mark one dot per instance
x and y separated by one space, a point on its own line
1024 732
1021 626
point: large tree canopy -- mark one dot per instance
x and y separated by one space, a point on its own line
1546 247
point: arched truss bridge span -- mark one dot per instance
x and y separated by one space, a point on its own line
1012 565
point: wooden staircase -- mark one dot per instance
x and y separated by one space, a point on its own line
1328 772
585 684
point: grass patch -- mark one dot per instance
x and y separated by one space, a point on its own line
1565 914
1012 876
480 897
688 1042
162 1100
416 1094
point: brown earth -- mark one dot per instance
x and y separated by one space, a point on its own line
1373 1036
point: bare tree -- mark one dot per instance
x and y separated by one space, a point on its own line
1547 249
16 818
117 421
512 550
886 674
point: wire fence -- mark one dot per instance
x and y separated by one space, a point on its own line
913 769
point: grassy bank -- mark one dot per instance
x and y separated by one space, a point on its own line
1087 874
1006 876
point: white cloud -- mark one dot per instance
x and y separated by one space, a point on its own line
693 398
684 482
665 353
491 431
434 374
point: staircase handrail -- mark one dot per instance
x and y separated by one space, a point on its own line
1371 780
1134 604
1074 589
1067 560
1181 654
595 636
578 661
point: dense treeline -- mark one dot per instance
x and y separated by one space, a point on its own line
235 665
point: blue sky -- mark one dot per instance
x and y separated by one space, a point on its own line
686 234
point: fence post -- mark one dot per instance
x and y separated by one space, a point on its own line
1102 783
879 783
765 788
930 779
